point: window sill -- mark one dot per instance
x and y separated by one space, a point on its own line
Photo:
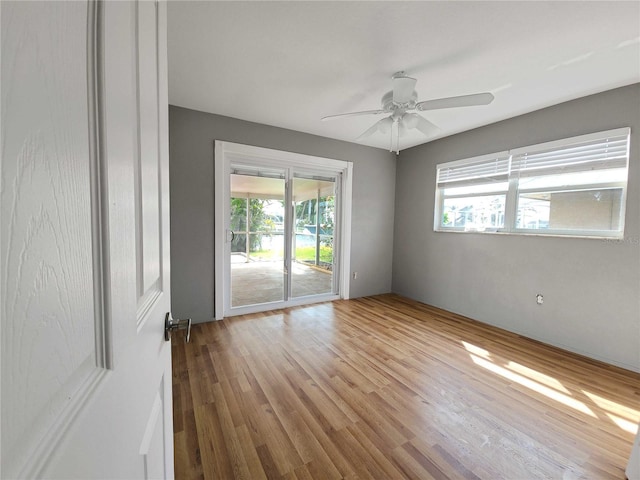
615 238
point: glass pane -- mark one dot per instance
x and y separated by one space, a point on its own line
238 214
239 244
267 247
597 209
312 242
474 213
257 248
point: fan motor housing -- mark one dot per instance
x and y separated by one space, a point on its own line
389 106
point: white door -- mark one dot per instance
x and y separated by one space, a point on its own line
633 467
284 233
86 372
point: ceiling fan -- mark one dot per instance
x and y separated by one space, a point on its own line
400 105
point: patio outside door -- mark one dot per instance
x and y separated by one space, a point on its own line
282 237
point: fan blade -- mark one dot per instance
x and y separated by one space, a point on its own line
413 120
353 114
452 102
403 89
426 127
381 125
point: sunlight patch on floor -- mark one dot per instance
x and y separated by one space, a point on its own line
614 407
476 350
537 376
625 417
532 385
623 424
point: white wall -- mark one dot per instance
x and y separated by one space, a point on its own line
191 144
591 287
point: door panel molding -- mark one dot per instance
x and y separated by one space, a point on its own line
148 162
152 448
55 326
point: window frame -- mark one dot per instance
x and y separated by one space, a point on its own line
513 192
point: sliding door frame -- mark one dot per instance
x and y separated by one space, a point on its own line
227 153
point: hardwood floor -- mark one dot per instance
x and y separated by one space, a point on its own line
384 387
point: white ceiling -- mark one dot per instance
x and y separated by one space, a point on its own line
288 64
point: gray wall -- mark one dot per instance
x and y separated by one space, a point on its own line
191 145
591 287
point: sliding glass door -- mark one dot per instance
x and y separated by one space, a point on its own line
256 223
312 251
282 229
282 236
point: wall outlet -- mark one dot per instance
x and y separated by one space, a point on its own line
355 275
539 299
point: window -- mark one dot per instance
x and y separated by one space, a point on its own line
473 192
575 186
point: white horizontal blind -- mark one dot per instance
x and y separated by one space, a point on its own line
257 171
603 150
484 169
